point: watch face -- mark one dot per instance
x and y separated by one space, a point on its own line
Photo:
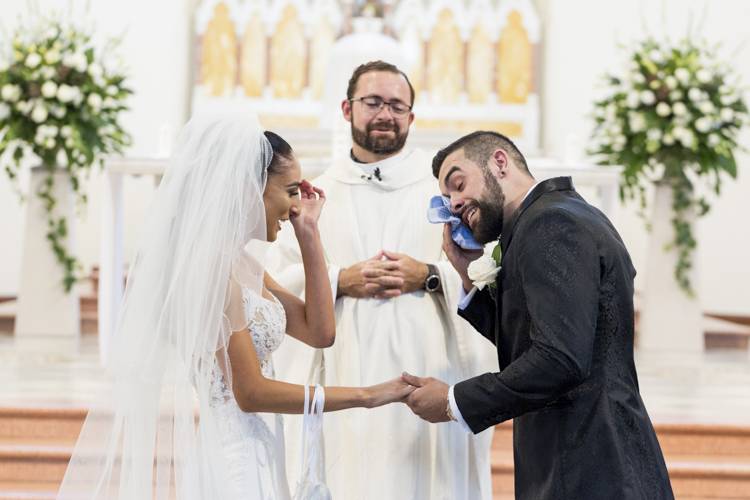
432 283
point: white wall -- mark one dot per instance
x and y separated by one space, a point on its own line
580 43
581 38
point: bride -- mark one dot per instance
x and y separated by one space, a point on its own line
192 410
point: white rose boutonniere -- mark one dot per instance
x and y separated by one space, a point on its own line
482 272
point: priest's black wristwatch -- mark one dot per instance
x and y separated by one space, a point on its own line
432 282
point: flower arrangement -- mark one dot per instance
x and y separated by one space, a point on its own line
674 117
60 105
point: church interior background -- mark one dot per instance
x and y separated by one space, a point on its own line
527 68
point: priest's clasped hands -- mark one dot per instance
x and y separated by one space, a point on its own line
383 276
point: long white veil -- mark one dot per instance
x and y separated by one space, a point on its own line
153 433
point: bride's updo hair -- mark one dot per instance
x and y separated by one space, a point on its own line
282 153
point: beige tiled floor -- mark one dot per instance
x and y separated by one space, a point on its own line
48 380
710 388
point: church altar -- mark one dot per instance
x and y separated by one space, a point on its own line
474 64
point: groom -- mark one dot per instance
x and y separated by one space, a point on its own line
560 314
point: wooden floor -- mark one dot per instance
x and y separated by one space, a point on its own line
700 406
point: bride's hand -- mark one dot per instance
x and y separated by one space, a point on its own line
306 215
387 392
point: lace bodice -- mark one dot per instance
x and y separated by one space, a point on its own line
267 326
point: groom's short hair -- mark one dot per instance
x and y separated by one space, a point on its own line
370 67
478 147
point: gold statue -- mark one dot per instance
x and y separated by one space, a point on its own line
514 72
253 58
322 42
219 53
479 65
445 60
412 44
288 57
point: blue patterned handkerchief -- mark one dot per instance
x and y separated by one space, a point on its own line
440 213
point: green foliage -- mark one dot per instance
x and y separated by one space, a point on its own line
497 254
60 106
674 117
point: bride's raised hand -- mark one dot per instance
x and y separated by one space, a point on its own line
307 212
395 390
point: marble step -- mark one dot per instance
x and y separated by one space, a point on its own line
692 477
705 461
41 468
33 462
723 334
36 424
711 440
28 490
88 314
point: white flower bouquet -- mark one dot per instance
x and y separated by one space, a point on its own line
60 103
672 117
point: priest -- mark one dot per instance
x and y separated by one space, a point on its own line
396 298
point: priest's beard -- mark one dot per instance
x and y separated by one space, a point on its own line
379 145
490 223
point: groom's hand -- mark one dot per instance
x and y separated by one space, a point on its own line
429 400
459 258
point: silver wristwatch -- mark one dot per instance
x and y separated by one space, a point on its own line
432 282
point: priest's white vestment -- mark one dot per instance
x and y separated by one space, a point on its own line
387 452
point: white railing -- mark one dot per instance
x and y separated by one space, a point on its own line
111 266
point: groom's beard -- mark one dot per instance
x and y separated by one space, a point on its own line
379 145
490 223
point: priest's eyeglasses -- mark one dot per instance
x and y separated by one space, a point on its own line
373 104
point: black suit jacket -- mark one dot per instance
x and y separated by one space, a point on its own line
562 321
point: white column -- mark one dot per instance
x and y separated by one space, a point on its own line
111 259
608 197
670 320
48 318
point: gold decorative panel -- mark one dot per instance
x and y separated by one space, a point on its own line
511 129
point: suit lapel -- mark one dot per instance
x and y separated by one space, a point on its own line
548 186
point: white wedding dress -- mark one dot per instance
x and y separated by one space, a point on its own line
253 443
168 360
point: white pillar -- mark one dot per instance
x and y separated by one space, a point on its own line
670 320
111 260
48 318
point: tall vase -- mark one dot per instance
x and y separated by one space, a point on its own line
670 320
48 318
